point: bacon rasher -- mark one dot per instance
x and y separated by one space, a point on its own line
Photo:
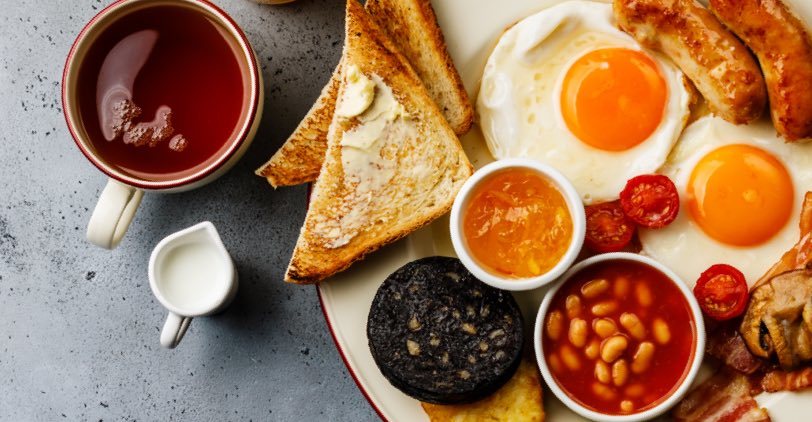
726 344
726 397
779 380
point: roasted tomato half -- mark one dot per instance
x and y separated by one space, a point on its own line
607 227
650 200
722 292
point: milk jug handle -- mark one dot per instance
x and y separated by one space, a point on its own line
174 329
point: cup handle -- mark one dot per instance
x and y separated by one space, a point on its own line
174 329
113 214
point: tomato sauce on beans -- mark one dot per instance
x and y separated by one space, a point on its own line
618 337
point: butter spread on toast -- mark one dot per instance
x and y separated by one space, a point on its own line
368 150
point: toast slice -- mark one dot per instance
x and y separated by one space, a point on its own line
393 163
412 25
299 159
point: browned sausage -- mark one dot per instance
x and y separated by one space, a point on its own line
783 47
720 66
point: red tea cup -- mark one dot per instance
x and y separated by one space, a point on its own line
122 195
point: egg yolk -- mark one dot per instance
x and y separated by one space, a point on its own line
740 195
613 98
517 224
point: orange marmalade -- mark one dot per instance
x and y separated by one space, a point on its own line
517 224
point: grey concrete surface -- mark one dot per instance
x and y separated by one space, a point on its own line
79 326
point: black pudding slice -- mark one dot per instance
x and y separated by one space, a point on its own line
442 336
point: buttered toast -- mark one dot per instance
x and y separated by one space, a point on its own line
412 25
300 157
393 164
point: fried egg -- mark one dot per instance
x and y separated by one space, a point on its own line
569 89
741 190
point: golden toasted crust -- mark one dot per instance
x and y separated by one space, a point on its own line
719 65
430 167
518 400
784 49
413 27
299 159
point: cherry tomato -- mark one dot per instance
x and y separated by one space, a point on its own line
650 200
607 227
722 292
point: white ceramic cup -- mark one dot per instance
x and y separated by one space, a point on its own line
676 395
191 274
574 205
122 195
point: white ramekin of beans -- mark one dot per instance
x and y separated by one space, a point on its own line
619 338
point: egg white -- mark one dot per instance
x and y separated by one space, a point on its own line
519 99
683 246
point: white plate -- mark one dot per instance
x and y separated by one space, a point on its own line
471 29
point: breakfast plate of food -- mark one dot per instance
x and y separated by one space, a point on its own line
565 208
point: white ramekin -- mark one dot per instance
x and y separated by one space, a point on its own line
697 355
576 210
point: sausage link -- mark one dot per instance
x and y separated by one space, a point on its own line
718 64
784 49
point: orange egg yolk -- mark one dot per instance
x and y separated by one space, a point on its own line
517 224
740 195
613 99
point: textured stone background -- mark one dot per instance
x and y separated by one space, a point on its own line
79 326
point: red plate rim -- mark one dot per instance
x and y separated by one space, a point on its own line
335 340
344 357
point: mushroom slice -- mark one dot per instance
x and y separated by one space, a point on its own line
803 343
807 315
777 319
753 330
781 345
